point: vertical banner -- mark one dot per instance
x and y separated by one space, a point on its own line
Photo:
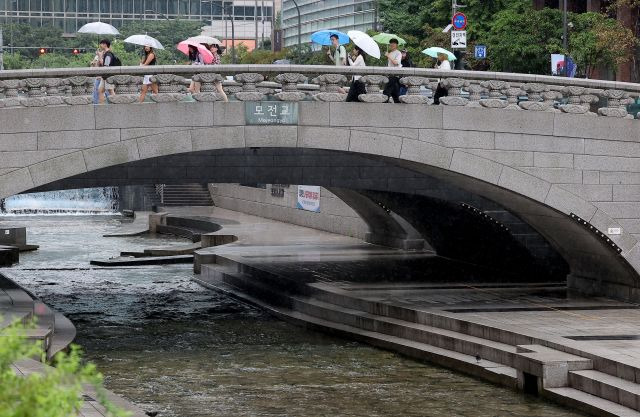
309 198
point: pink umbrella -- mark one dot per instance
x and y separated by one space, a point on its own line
207 56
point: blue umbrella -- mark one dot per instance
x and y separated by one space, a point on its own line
323 37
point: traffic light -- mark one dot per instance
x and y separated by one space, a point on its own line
42 51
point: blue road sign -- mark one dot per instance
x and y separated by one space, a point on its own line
481 52
459 21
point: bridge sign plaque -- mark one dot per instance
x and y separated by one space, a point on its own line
271 113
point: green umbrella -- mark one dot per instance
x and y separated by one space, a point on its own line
384 38
435 50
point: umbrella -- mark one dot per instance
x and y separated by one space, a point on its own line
384 38
209 40
365 42
99 28
183 47
435 50
323 37
144 40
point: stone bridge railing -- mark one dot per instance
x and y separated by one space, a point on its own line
34 88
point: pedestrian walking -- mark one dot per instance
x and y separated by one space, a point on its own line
148 59
394 60
357 87
195 58
406 62
443 65
216 51
107 59
339 57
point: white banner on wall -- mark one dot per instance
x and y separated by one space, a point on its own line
309 198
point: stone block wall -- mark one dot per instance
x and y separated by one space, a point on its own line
334 216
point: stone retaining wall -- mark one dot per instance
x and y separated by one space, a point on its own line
335 216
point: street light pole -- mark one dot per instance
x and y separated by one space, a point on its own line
565 40
1 51
299 29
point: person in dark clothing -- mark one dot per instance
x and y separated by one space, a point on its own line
406 59
356 59
394 60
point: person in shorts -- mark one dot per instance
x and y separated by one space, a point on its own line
107 59
148 58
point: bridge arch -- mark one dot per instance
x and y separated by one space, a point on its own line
519 159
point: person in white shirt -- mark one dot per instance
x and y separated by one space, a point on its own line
340 55
356 59
443 64
394 60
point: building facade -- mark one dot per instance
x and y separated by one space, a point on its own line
317 15
70 15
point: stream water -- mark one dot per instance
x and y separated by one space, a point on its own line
179 349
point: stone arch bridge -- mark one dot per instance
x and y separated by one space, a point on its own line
561 155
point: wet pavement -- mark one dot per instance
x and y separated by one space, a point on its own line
174 347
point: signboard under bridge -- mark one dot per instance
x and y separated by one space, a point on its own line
271 113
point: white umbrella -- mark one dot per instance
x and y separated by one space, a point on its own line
99 28
365 42
144 40
209 40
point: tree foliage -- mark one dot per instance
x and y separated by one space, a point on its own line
521 39
597 40
55 393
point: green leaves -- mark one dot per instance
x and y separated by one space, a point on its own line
54 393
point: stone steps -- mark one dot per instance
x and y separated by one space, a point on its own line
446 339
588 403
223 279
607 386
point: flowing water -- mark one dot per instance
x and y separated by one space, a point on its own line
176 348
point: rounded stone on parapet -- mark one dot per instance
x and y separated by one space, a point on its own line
12 87
414 81
169 84
12 102
413 99
207 77
78 100
534 105
454 101
268 87
374 79
574 108
373 98
290 96
166 97
330 83
613 112
291 78
549 98
249 78
207 97
495 87
122 98
475 94
249 96
330 97
455 83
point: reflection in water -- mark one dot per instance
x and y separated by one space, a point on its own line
172 346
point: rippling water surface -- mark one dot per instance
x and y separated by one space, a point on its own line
171 346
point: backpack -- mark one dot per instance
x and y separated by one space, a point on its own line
115 61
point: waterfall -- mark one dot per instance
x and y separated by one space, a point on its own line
80 201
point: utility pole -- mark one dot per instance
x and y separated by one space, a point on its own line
262 18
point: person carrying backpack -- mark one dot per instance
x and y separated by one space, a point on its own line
107 59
